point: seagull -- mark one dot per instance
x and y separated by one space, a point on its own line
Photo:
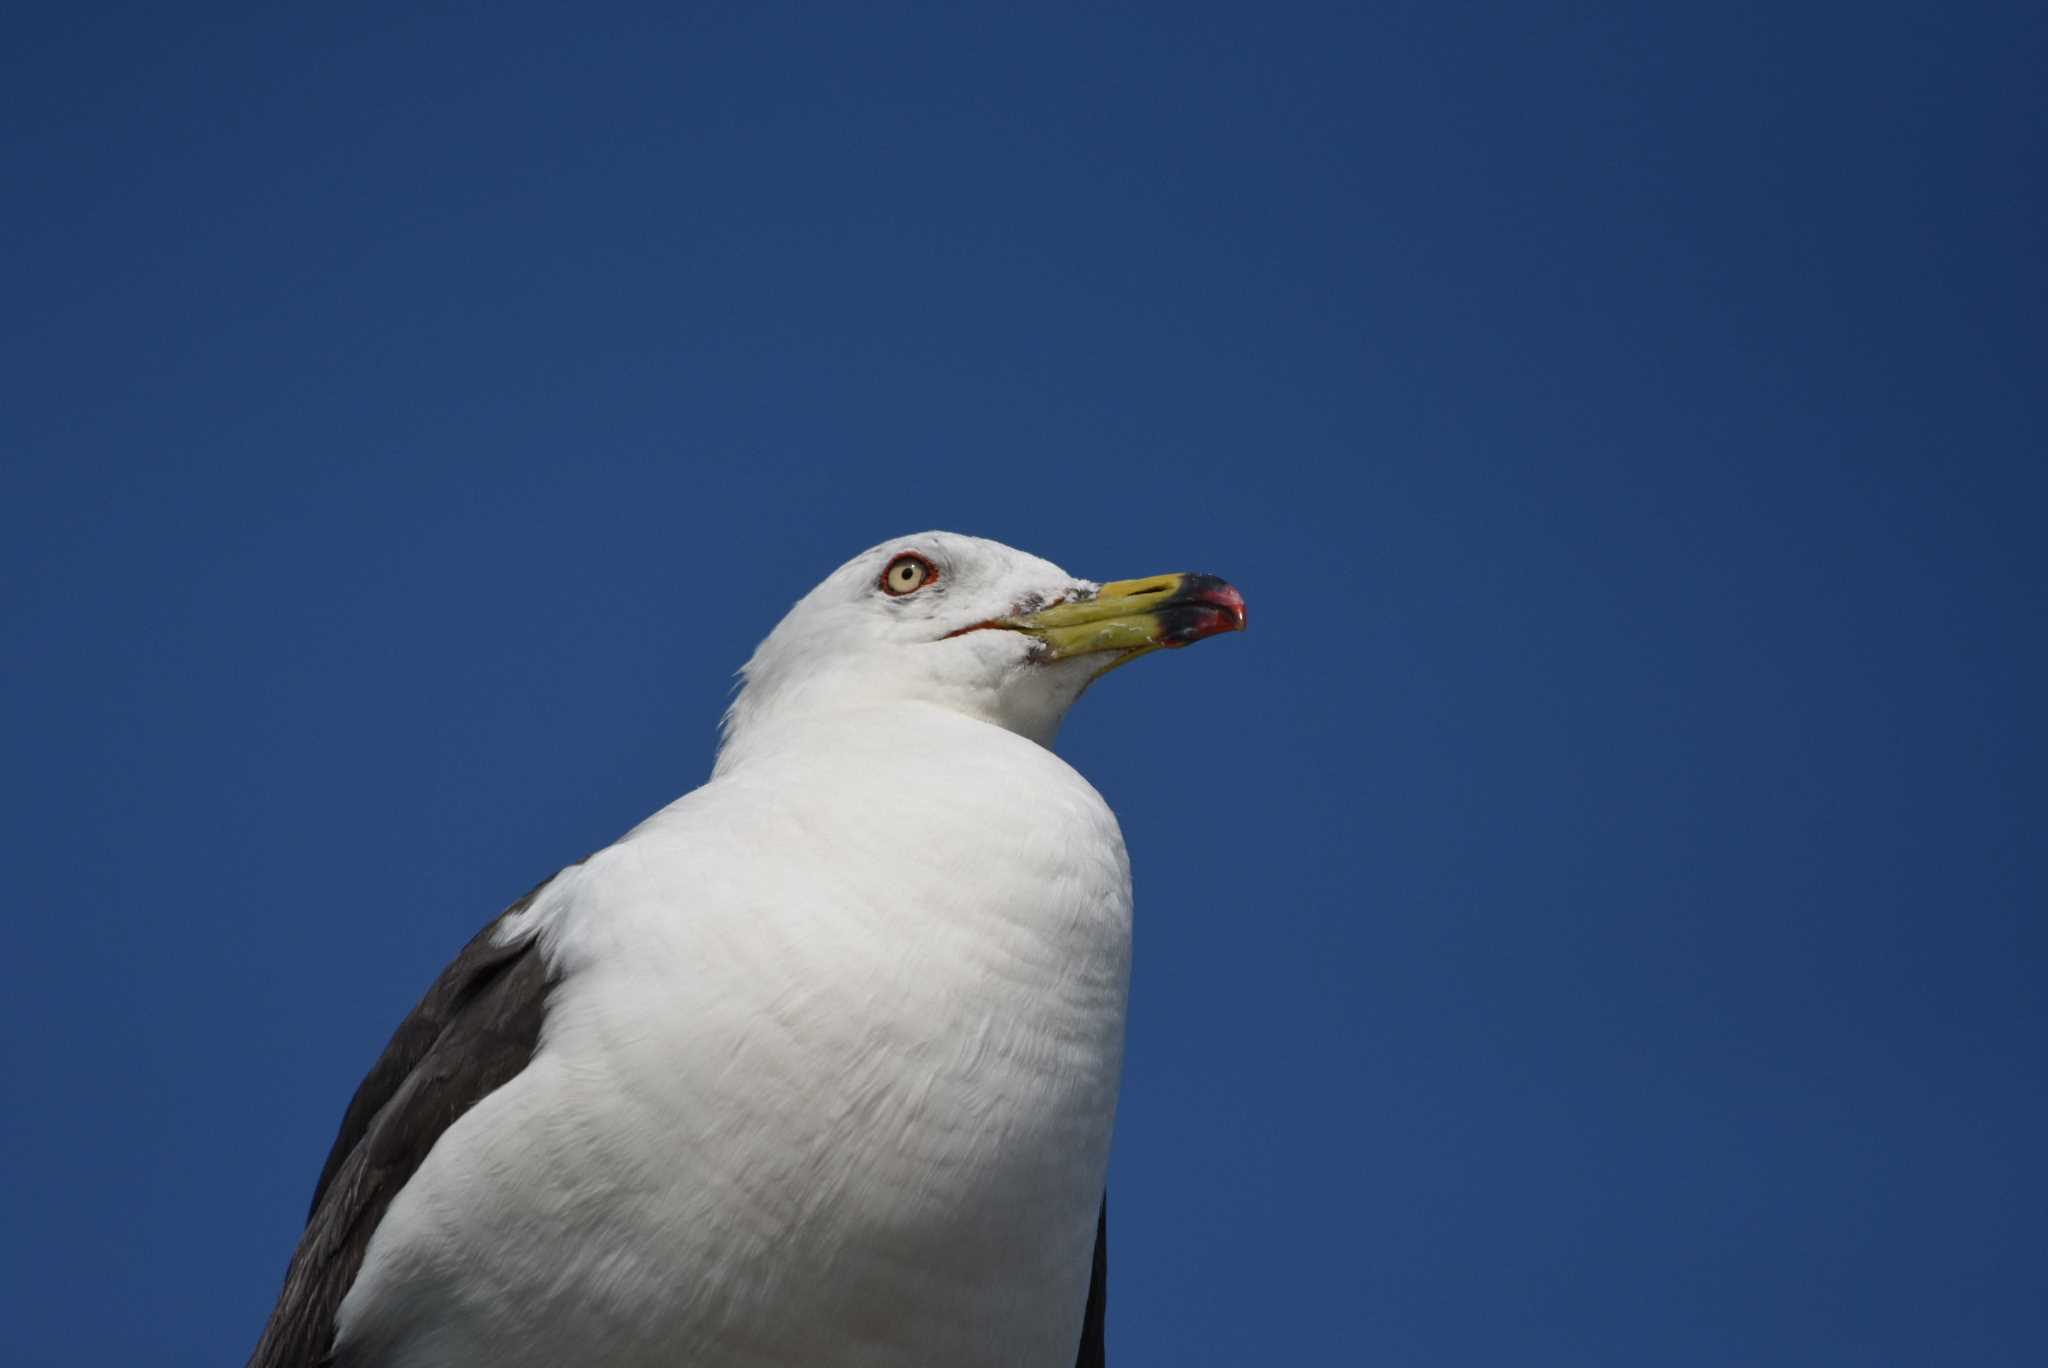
816 1065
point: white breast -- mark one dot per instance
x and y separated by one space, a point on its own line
828 1078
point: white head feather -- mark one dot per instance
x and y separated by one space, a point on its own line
850 643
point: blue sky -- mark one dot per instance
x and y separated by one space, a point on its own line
1594 916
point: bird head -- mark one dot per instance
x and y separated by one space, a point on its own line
970 625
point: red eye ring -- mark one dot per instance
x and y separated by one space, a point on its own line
907 573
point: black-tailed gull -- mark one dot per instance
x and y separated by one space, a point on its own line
818 1064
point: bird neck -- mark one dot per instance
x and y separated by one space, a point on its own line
770 722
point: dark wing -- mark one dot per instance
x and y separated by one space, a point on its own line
471 1034
1094 1353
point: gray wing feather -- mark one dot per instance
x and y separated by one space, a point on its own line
475 1029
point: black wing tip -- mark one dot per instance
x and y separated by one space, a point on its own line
1094 1352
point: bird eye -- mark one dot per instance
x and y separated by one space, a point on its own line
907 574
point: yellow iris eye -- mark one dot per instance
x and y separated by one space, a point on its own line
907 574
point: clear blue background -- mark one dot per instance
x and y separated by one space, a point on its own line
1595 915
